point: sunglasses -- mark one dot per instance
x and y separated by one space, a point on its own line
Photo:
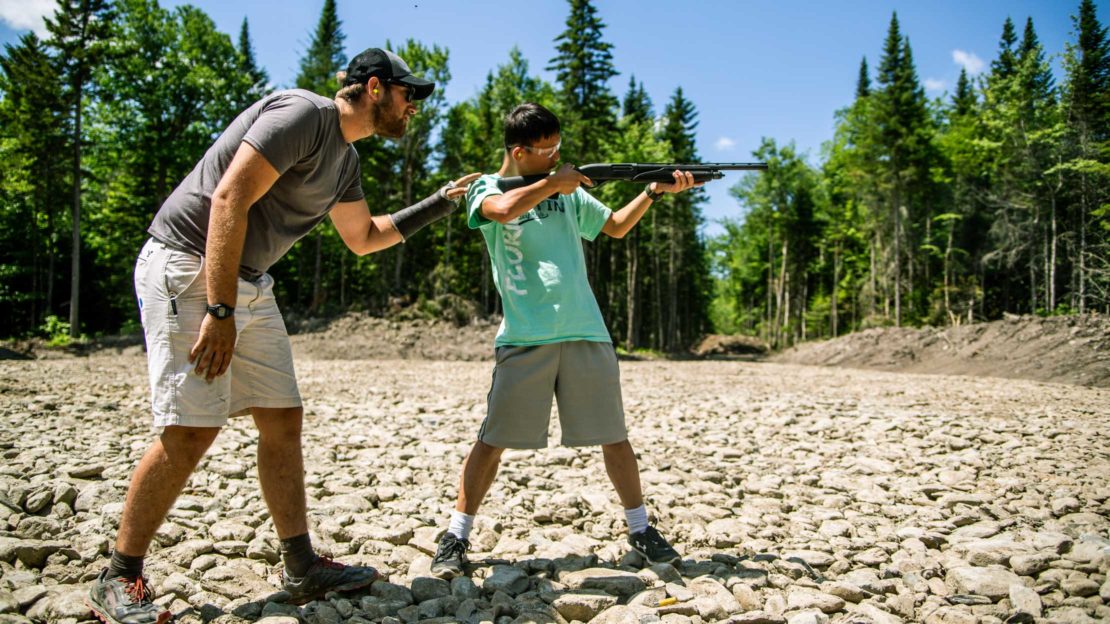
546 152
410 91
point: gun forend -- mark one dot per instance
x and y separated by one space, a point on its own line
640 172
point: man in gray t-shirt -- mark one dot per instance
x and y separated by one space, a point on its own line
216 342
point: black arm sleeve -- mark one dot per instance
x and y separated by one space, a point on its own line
411 220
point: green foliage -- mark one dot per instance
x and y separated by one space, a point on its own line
937 212
55 331
583 66
325 55
996 199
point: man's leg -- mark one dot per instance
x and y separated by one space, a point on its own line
281 475
156 483
120 592
281 468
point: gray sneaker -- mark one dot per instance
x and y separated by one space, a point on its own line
326 576
124 601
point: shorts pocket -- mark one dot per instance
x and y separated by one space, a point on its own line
183 272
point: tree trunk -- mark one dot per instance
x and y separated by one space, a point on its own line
314 307
871 278
772 313
835 290
947 276
632 250
658 284
780 296
343 282
75 263
672 291
51 256
1083 249
897 261
1052 260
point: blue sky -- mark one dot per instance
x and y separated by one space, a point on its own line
753 69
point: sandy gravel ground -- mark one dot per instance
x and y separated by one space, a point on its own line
796 494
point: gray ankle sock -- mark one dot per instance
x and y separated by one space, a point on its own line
297 554
124 566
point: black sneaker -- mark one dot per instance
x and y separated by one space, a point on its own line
653 546
326 576
124 601
450 560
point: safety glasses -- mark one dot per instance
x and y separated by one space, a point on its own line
546 152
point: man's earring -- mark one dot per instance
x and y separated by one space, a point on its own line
375 91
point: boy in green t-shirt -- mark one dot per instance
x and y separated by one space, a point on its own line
553 340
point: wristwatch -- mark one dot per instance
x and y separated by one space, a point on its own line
652 195
220 310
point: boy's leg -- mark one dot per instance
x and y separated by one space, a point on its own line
624 472
478 471
592 413
517 416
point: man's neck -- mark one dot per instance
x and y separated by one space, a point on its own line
353 122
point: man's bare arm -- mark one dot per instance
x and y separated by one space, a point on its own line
361 232
246 180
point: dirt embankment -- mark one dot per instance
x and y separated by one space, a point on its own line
1064 349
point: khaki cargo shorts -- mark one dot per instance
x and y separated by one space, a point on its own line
170 286
582 375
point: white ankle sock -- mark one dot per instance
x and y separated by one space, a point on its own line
461 524
637 519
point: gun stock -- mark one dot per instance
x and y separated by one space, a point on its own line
601 173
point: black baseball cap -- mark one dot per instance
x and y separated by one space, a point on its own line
388 67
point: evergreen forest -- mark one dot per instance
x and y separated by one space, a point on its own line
917 211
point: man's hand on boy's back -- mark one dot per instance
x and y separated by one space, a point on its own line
567 179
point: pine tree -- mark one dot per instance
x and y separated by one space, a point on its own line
1037 80
863 83
79 31
963 101
583 66
637 105
249 67
1089 76
904 137
1087 106
1006 63
33 116
686 280
325 55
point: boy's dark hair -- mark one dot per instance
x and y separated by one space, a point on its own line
529 123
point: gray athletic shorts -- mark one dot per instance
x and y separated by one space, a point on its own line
582 375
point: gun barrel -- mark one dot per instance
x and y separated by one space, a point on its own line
748 166
641 172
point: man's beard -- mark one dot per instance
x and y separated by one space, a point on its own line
384 120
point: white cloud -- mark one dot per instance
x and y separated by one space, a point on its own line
724 144
932 84
27 14
973 64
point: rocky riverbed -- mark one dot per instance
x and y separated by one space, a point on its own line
796 494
